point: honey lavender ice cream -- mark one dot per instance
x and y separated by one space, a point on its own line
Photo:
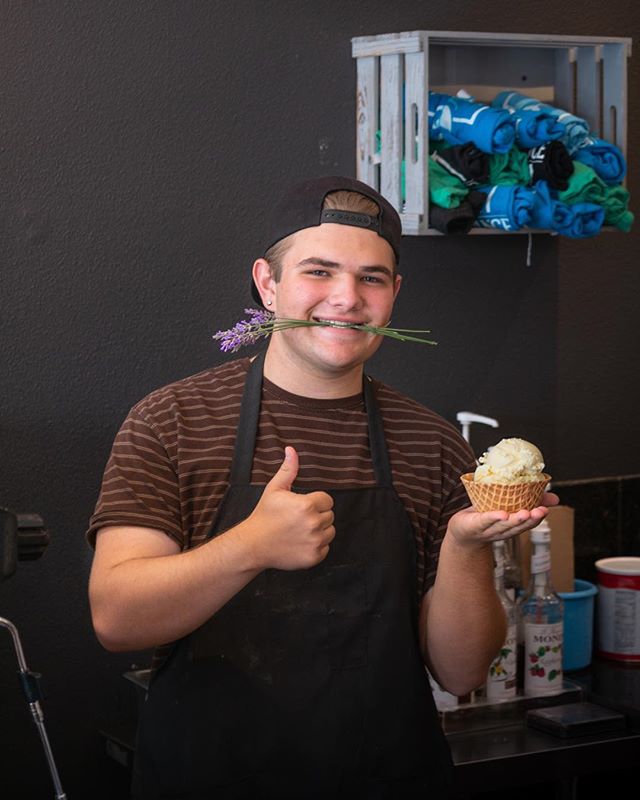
510 461
509 477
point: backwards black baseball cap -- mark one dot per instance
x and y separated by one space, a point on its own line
301 207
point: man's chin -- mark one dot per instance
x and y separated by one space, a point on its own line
342 358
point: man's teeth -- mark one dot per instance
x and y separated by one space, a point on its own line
338 324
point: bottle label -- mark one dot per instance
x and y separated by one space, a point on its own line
619 620
501 680
542 658
541 562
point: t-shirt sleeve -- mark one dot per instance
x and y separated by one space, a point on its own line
139 486
457 458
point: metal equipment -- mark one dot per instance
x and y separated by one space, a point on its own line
23 537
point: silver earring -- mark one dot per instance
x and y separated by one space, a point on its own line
269 302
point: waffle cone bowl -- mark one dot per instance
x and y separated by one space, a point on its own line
508 497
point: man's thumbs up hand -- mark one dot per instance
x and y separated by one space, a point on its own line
286 475
290 530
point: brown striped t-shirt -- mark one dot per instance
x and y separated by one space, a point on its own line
170 463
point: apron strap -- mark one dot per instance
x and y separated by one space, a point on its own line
250 416
248 424
377 441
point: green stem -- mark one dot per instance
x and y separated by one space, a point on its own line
400 334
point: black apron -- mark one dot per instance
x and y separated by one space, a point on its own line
308 683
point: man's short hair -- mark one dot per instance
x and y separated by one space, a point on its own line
340 200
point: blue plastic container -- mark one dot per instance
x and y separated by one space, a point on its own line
577 646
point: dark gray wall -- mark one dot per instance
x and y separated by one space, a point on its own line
140 144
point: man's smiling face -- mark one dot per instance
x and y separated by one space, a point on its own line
335 273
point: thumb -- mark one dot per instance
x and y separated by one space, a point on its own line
286 475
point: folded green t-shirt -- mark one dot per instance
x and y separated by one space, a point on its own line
616 208
445 190
584 187
509 168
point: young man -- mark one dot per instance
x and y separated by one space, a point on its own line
301 596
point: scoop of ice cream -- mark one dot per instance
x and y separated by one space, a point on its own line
510 461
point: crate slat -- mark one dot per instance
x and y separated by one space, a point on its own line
391 127
416 139
386 43
588 94
368 99
614 95
564 94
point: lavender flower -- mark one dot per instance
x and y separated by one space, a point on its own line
264 323
246 332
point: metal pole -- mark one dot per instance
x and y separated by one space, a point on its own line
30 687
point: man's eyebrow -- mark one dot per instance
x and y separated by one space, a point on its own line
323 262
378 268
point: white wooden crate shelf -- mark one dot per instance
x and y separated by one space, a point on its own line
395 72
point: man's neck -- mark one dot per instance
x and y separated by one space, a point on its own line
306 382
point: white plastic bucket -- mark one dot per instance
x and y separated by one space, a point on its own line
618 615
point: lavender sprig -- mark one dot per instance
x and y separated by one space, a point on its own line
264 323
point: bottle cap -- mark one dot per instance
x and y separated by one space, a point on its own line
541 533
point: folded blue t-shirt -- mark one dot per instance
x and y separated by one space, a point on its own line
604 158
507 207
458 121
577 221
575 129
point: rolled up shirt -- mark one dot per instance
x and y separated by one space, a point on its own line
584 187
577 221
588 219
460 220
575 130
547 212
466 162
506 207
616 206
604 158
445 190
457 120
552 163
509 168
535 127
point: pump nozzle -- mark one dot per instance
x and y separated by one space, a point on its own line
465 418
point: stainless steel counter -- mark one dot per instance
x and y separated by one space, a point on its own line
518 755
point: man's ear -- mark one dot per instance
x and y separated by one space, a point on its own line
397 282
264 280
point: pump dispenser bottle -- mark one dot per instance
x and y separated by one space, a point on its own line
501 680
541 617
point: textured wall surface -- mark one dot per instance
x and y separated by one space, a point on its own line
139 146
